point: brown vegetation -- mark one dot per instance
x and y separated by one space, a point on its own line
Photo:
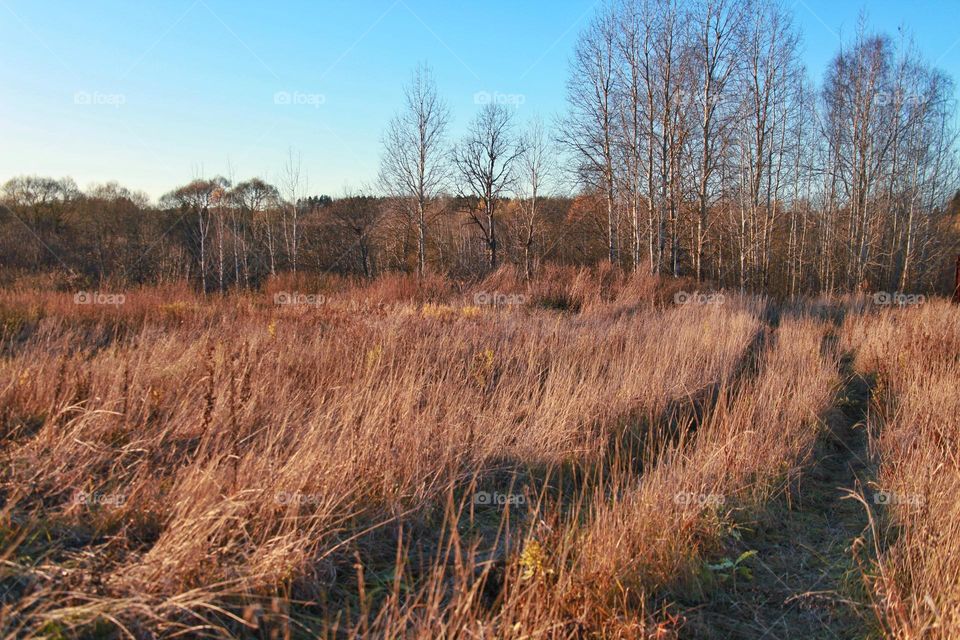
914 357
236 466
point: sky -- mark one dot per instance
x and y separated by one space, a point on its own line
154 94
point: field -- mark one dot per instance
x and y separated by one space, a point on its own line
586 455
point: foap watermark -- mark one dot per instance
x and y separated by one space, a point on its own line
98 99
299 98
99 297
894 98
369 306
297 497
701 499
484 498
699 98
887 298
100 498
496 97
286 298
893 498
497 299
685 297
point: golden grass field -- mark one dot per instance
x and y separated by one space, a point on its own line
402 458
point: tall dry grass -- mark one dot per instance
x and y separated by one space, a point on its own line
914 354
228 466
661 530
594 569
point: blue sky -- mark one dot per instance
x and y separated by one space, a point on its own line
151 94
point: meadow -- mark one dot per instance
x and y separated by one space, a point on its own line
588 454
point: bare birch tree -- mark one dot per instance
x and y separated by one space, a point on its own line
485 165
536 168
413 166
589 130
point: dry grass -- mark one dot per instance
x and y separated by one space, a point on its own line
914 355
248 468
660 531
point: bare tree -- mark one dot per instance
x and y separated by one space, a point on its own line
536 168
633 139
671 60
294 185
413 165
770 47
257 201
197 199
589 130
647 23
716 26
485 168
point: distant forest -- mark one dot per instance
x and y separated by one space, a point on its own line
694 143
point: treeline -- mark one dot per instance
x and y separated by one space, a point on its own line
220 235
697 144
717 157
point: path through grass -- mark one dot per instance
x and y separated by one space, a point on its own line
803 582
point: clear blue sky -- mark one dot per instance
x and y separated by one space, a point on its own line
152 94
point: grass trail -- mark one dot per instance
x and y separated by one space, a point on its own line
803 573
